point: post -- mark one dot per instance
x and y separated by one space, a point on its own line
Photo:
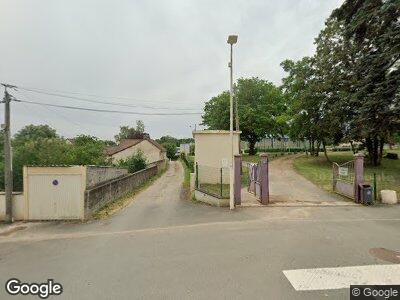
358 175
375 193
231 171
7 158
237 184
220 181
264 184
197 176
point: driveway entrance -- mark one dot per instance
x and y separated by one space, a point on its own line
287 188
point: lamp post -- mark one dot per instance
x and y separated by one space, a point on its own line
232 39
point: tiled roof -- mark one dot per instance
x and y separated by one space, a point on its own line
127 143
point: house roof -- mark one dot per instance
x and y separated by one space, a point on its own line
127 143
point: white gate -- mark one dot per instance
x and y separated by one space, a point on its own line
55 193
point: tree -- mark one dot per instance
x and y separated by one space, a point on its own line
171 149
33 133
40 152
126 132
88 150
167 139
260 103
134 163
372 33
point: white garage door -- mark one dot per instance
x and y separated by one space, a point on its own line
55 197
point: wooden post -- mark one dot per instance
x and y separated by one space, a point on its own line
264 180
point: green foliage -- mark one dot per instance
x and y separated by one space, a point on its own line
88 150
126 132
171 149
134 163
261 107
39 152
33 133
167 139
350 89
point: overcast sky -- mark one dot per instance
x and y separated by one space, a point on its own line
169 54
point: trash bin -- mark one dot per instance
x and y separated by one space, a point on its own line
366 194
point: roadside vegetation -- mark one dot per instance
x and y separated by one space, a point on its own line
319 170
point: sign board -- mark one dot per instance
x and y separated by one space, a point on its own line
343 171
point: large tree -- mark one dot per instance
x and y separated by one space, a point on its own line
127 132
260 103
371 34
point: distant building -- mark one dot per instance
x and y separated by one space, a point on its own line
127 147
184 148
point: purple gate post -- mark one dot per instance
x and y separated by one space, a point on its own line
358 175
264 180
237 184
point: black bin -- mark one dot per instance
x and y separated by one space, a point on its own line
366 194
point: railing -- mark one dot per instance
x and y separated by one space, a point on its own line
212 180
343 178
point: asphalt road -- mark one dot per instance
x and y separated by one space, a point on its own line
166 247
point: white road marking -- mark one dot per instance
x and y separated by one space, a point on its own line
343 277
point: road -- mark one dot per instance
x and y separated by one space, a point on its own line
165 247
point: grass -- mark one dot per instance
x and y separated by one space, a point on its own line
186 174
319 170
114 206
215 189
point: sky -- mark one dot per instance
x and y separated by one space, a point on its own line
158 56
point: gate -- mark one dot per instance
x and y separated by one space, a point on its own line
343 178
258 179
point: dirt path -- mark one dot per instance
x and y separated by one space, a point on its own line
287 188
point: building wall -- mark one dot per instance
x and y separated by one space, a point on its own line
151 152
96 175
18 207
212 152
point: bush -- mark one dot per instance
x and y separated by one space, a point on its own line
134 163
188 162
392 156
171 150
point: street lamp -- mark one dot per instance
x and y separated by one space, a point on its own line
232 39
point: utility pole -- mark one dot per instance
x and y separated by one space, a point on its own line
8 175
232 39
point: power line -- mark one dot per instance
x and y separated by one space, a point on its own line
108 111
57 94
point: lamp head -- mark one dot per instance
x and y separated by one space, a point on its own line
232 39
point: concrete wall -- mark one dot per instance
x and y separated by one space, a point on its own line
96 175
212 151
99 196
151 152
18 207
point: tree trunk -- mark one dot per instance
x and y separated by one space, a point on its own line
325 152
352 147
252 148
318 148
375 149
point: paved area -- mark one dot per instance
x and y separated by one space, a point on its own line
165 247
288 188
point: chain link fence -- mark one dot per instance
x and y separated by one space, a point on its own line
213 180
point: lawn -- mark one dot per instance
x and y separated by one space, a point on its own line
271 156
215 189
319 171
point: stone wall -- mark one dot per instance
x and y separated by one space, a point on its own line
100 195
97 175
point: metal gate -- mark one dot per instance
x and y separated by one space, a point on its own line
343 177
254 174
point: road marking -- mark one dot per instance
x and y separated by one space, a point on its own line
343 277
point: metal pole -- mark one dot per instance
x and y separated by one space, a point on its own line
231 192
375 192
7 158
220 181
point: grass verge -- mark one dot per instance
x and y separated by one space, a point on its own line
114 206
319 170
